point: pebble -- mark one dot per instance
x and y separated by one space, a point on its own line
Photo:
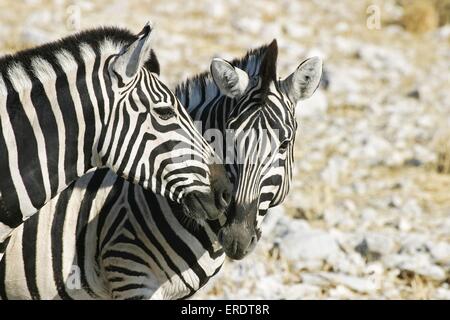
419 264
440 252
308 245
302 291
314 107
361 285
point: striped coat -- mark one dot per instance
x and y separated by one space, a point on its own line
105 238
86 102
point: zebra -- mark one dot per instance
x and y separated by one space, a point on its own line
92 100
113 239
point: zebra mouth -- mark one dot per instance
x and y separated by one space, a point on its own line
236 243
200 206
188 208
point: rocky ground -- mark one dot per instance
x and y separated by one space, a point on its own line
369 212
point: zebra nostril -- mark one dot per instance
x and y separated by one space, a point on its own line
252 243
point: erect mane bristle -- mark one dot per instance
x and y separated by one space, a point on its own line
92 37
249 63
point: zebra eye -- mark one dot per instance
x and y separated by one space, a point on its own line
284 145
165 113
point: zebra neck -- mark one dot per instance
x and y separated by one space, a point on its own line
49 128
205 103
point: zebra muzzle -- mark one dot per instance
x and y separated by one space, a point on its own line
237 241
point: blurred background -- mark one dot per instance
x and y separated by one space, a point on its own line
368 215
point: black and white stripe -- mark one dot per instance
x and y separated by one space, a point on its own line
95 100
129 243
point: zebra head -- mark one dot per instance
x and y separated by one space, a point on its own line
264 126
150 139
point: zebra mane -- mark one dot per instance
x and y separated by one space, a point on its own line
114 37
250 63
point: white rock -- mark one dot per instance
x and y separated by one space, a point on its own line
314 279
339 217
345 45
368 214
341 292
32 2
40 18
419 264
374 150
301 291
381 58
216 9
245 24
426 121
286 226
444 32
342 27
396 201
440 252
381 243
349 205
297 31
314 107
355 283
308 245
309 265
392 293
270 31
269 286
413 243
375 269
351 264
443 293
272 218
336 166
423 154
404 225
347 81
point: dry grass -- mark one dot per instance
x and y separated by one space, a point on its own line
443 9
418 287
441 144
421 16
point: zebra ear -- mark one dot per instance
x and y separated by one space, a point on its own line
133 57
231 80
304 81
